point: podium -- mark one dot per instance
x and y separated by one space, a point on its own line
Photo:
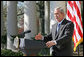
33 46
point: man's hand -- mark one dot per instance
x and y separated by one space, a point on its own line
50 43
38 37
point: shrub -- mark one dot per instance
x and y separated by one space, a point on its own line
5 52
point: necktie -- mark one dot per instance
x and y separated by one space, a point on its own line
58 26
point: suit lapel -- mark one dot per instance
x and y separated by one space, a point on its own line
61 27
54 28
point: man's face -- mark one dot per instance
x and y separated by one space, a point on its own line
58 15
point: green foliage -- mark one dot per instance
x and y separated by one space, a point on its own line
4 39
5 52
44 52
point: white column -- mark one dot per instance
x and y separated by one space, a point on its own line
47 17
12 28
2 21
30 22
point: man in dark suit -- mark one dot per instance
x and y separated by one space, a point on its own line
60 39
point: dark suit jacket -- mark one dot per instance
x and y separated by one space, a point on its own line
63 38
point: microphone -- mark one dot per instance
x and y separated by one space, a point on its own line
28 31
21 34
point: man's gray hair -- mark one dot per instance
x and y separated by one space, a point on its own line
60 9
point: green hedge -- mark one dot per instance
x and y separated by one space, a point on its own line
6 52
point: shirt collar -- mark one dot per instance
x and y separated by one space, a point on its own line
60 22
